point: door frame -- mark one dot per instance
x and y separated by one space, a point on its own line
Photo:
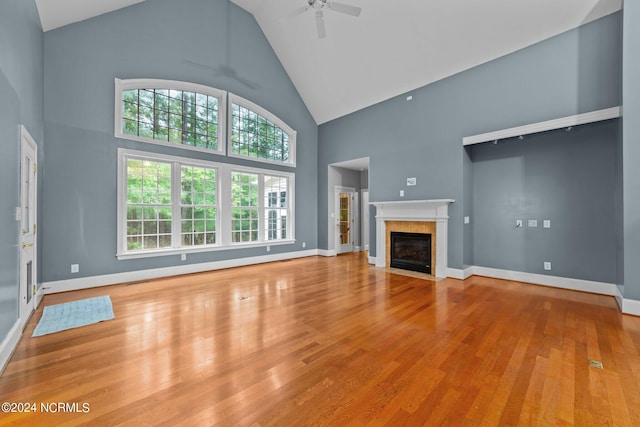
28 241
364 220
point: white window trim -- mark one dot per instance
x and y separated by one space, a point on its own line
238 100
223 202
122 85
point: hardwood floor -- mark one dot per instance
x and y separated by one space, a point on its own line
332 342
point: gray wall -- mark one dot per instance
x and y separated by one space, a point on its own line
154 39
566 177
575 72
631 150
21 100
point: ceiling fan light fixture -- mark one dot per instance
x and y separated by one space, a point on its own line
319 7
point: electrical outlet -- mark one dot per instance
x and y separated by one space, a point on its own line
75 268
183 257
268 248
401 193
304 244
547 265
466 220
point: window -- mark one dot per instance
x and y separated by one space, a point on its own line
257 134
276 207
169 205
194 117
244 193
169 112
198 206
148 205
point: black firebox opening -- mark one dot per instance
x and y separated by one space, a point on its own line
411 251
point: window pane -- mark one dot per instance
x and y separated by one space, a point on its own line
244 192
275 204
198 202
148 204
253 135
179 117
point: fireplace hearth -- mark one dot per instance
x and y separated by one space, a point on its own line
411 251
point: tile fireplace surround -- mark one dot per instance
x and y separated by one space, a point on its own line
413 211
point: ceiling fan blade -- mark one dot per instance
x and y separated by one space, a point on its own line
299 11
344 8
320 25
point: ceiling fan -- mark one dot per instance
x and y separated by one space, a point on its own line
319 6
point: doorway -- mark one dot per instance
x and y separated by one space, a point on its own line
346 204
28 229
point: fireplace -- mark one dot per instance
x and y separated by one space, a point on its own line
413 216
411 251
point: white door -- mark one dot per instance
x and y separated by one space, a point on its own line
345 219
365 220
28 227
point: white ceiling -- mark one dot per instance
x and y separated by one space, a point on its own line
393 47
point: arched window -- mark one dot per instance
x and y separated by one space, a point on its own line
257 134
171 113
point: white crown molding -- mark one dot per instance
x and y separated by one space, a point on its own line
563 122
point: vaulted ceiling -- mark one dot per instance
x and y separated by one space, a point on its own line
393 47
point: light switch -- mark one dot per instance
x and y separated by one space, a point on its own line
546 223
533 223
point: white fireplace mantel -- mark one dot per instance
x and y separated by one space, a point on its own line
436 210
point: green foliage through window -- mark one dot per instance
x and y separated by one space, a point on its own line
171 205
244 207
148 205
198 206
253 135
176 116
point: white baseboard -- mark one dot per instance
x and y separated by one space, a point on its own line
135 276
627 306
372 260
324 252
39 295
9 344
552 281
460 274
619 298
631 306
